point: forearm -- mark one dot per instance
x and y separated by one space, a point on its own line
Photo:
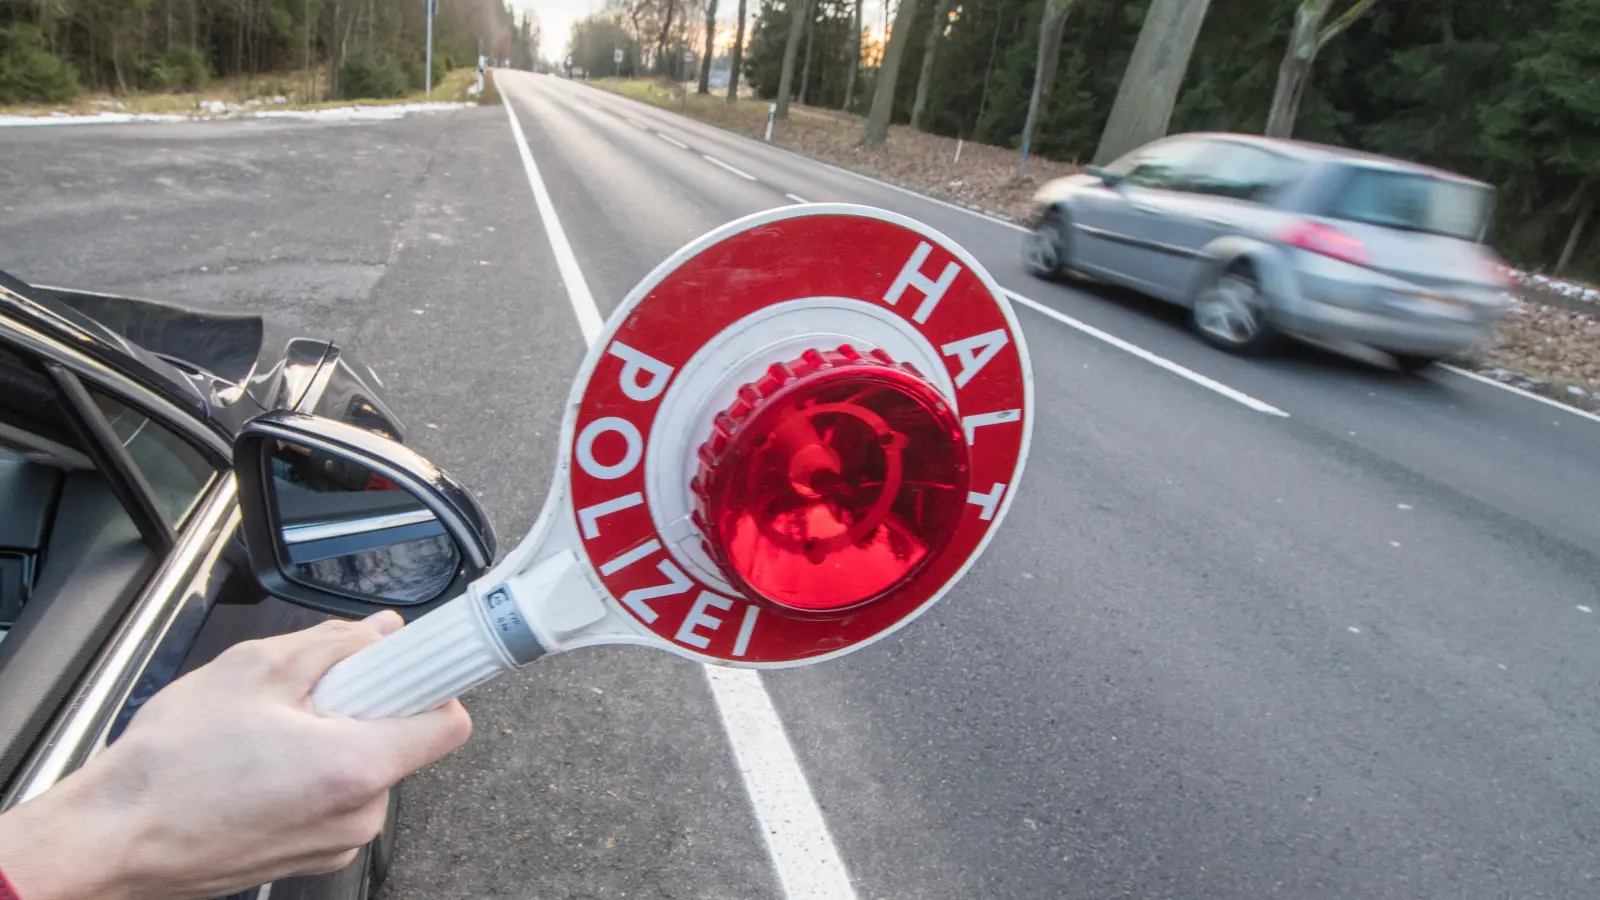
62 846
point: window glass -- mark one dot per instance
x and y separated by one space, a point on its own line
1241 172
1412 201
1167 165
176 471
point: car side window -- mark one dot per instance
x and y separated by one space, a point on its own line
1241 172
1167 166
176 472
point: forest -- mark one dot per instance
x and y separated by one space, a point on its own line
1507 91
51 50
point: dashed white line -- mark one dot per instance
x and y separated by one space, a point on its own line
638 124
673 141
796 198
1160 361
798 841
1582 608
1580 413
722 165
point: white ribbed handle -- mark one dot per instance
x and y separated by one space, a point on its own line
439 656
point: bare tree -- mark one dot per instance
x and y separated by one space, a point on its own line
661 42
888 72
1306 40
705 62
1149 87
1044 70
738 57
811 40
941 18
855 60
800 12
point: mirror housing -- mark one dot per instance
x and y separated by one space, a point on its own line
437 506
1107 177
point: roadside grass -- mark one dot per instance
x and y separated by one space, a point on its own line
278 91
1548 344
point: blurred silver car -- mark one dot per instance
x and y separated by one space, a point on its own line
1262 237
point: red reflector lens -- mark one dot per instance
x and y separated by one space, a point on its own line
1327 241
831 481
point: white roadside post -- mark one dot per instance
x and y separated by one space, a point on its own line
772 113
427 66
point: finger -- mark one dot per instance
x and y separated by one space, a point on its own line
386 622
407 744
309 654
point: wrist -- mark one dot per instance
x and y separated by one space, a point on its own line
63 845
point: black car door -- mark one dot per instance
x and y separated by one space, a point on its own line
118 561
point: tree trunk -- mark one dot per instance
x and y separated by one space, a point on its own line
1306 39
661 42
941 17
1576 234
855 61
711 33
888 72
988 69
811 40
738 57
1150 85
1044 70
791 49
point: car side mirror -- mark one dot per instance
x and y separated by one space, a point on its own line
346 521
1107 177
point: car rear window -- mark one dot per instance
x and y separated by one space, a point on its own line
1412 201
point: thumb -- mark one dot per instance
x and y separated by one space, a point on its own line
312 652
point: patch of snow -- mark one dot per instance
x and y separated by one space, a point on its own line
217 109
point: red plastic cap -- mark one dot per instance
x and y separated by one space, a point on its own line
830 482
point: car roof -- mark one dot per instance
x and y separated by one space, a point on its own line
1312 151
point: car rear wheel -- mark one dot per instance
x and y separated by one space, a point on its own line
1230 313
1046 249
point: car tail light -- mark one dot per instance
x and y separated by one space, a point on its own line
1326 240
829 481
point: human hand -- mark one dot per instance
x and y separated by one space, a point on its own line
226 779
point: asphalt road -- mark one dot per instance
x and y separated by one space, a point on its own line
1215 653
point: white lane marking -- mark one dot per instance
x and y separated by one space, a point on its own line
638 124
1581 413
673 141
798 840
1352 629
1161 361
843 171
589 321
720 164
1582 608
796 198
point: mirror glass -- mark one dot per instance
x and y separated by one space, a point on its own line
345 527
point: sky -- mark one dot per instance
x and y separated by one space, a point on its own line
556 18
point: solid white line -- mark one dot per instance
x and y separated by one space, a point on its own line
719 163
803 853
797 837
673 141
1180 371
1581 413
796 198
589 321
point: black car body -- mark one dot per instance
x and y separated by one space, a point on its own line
120 564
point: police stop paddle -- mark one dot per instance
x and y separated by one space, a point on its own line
791 439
